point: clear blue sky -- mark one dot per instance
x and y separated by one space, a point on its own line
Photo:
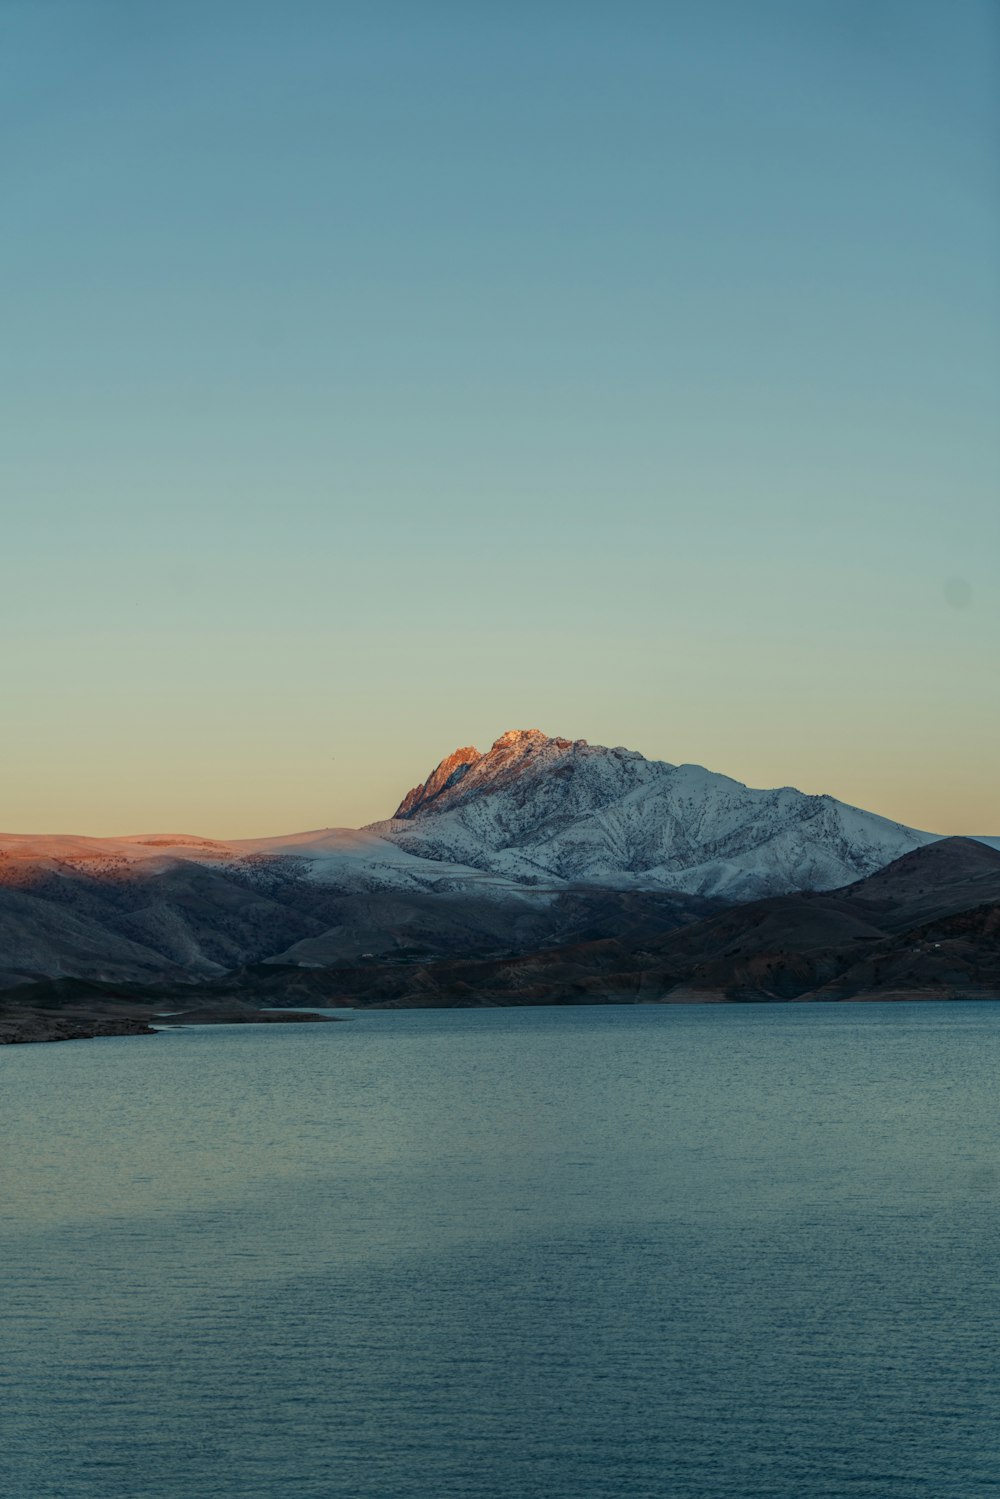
376 378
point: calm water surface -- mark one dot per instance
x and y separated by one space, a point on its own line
681 1253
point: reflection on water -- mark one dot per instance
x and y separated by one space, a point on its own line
684 1253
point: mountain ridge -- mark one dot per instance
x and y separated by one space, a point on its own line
899 939
538 842
535 806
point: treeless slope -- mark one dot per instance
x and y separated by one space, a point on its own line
812 946
160 921
952 956
166 918
927 925
953 874
38 936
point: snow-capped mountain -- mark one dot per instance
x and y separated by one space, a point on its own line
525 820
533 809
538 843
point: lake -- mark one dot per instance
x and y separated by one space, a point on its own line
669 1253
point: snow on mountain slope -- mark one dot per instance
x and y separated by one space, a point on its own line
352 859
525 819
534 807
359 859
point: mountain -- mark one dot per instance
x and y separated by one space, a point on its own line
534 809
531 855
887 937
174 908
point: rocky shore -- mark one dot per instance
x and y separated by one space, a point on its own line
19 1024
71 1010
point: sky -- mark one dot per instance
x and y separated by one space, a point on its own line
375 378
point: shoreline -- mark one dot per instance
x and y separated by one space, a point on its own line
24 1025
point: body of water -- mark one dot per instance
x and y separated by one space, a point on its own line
586 1253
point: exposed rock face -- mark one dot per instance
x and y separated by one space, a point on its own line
512 755
533 809
441 779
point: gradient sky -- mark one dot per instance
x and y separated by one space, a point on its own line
379 377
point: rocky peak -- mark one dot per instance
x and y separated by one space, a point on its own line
516 753
525 739
448 773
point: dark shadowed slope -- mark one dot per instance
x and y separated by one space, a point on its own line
858 943
883 938
950 875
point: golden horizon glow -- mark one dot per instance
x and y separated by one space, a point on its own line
356 788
